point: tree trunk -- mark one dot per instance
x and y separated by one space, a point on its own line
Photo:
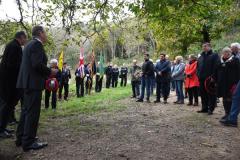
206 34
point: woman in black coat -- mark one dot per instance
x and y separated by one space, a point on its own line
227 76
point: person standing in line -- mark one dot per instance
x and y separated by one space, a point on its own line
232 119
123 75
227 76
79 77
207 65
135 72
147 73
9 70
172 81
52 86
64 83
99 79
32 75
235 47
178 77
163 71
191 80
108 73
115 74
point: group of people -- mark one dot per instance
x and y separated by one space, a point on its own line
208 75
25 74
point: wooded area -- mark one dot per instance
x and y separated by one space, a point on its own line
124 28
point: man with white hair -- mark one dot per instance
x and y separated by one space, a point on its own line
235 47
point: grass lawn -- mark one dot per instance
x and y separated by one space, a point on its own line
106 100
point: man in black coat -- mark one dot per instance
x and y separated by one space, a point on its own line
32 76
109 73
123 75
64 83
9 69
147 74
207 65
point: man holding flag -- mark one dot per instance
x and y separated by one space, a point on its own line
80 75
99 75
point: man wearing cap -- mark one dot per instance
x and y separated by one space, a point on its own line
64 83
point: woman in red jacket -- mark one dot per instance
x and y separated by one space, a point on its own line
191 81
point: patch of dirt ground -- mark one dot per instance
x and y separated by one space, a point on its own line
141 131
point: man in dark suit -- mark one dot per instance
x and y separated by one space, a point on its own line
64 83
9 69
32 76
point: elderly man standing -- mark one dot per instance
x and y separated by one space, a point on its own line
9 69
32 76
163 70
235 47
207 65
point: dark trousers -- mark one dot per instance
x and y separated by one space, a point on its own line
227 103
66 90
208 101
123 81
88 86
114 82
98 85
193 93
162 90
108 81
7 110
54 99
80 87
135 88
29 118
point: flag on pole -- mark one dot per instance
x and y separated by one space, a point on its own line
81 62
101 65
60 61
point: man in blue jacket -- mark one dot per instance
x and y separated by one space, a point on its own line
163 72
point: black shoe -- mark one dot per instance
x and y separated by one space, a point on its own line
18 142
5 134
210 112
179 102
139 100
148 101
189 104
195 104
157 101
202 111
224 117
175 102
229 123
165 102
9 130
35 146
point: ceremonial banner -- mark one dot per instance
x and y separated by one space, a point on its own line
60 61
